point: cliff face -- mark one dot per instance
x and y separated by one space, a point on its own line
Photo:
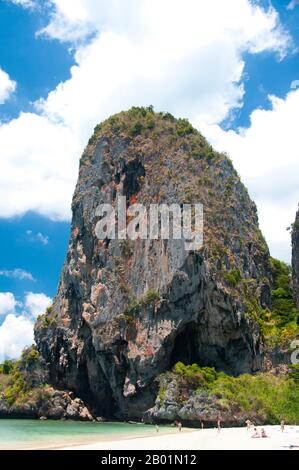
295 258
127 310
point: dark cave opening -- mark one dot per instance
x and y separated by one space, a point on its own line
94 389
186 346
190 347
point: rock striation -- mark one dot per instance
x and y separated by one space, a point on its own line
127 311
295 258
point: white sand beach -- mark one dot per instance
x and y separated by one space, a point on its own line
206 439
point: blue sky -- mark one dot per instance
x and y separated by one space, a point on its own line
35 63
264 74
70 64
38 65
40 255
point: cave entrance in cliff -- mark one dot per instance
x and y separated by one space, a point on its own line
186 346
190 348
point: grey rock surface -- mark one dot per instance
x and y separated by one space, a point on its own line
295 258
105 339
53 404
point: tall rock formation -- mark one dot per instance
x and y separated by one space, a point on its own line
295 258
128 310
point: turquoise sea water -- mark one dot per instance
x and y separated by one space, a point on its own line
28 434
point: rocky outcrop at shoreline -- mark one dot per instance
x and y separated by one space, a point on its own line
25 392
47 404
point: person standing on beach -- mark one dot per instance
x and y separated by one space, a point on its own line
157 428
219 424
180 426
201 425
282 423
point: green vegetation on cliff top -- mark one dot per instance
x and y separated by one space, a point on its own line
140 120
145 122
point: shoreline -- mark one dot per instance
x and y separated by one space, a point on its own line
202 439
107 437
109 440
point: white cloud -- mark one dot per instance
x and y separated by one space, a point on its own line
7 86
7 303
189 63
39 237
17 274
69 22
39 163
183 56
189 20
44 239
24 3
36 304
16 332
292 4
267 157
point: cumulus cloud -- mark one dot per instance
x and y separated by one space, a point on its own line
39 161
36 304
292 4
24 3
189 19
267 157
17 273
189 62
37 237
7 86
16 332
7 303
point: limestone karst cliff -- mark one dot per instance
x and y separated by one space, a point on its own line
295 258
127 311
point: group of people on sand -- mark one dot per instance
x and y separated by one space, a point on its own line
256 433
249 424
